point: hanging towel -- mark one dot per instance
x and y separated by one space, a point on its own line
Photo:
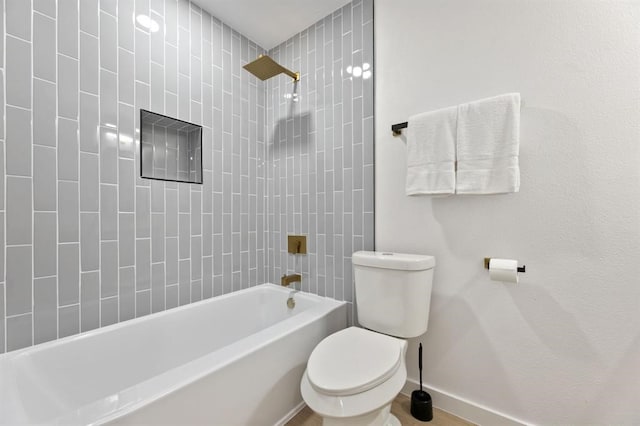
488 144
431 152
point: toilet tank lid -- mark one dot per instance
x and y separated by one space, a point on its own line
387 260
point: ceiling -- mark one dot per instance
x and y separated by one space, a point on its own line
270 22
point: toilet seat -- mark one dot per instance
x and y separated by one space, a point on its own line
353 361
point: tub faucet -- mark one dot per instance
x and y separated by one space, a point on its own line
288 279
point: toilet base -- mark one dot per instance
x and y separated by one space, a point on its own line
381 417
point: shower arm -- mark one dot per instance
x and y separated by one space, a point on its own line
294 75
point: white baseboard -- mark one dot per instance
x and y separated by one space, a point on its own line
462 408
291 414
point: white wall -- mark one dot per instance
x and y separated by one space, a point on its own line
563 346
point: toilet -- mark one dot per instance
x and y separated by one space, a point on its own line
353 375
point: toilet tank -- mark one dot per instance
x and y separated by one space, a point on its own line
393 292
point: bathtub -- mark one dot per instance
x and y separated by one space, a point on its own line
231 360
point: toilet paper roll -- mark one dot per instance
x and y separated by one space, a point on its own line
505 270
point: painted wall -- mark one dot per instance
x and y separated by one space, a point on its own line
320 150
563 346
85 241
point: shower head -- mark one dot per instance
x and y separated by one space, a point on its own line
264 68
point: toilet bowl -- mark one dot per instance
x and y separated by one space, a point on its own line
353 376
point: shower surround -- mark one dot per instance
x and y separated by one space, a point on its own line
85 242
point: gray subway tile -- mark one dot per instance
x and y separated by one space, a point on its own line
44 113
157 88
89 19
18 145
127 239
2 252
125 24
67 87
19 332
142 95
142 56
18 15
172 260
184 268
196 258
89 182
108 311
68 320
157 196
143 264
68 28
157 237
67 149
2 91
171 68
143 303
18 79
157 287
143 213
183 51
126 77
126 293
18 280
68 274
45 310
45 6
171 21
108 269
126 131
44 178
183 98
89 123
157 40
44 47
89 301
126 185
196 213
19 210
68 212
108 41
44 244
89 64
184 235
172 297
195 32
108 212
108 99
89 241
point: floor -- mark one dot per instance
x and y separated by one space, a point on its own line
400 408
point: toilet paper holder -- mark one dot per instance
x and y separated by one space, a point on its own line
488 259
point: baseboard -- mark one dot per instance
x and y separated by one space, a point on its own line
462 408
291 414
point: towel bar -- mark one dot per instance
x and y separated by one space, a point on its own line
397 128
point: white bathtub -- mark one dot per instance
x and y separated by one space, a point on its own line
233 359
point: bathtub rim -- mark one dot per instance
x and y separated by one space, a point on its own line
112 327
170 381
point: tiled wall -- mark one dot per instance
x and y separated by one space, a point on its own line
86 242
320 149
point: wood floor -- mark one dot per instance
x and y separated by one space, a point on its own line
401 408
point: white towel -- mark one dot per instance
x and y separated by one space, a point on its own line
431 152
488 144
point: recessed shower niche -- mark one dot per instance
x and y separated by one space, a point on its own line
171 149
